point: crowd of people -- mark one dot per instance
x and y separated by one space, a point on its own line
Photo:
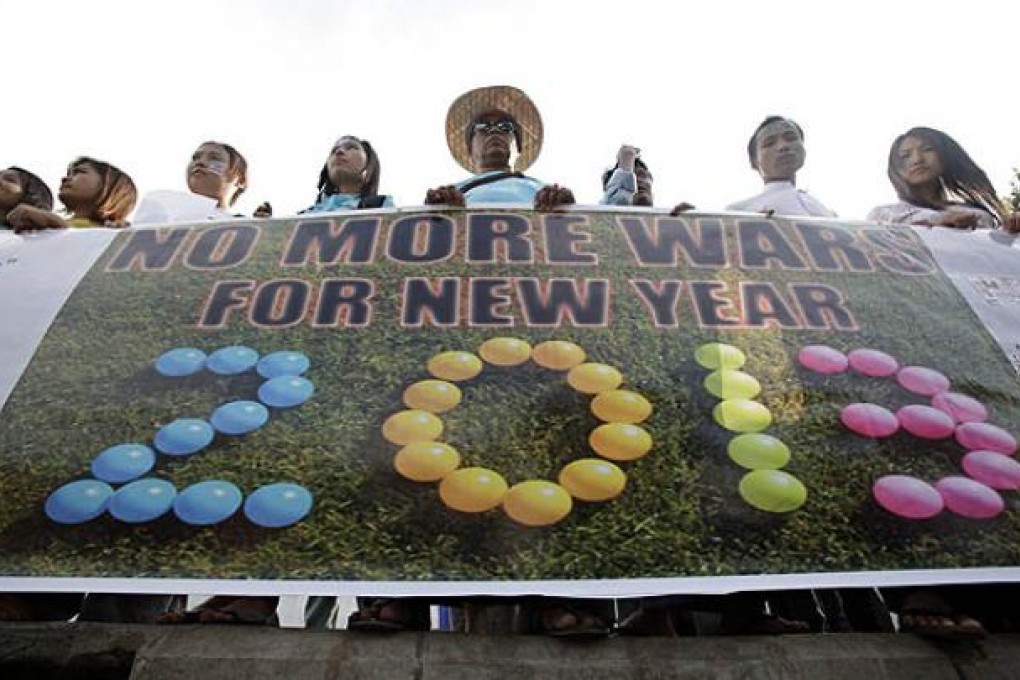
495 133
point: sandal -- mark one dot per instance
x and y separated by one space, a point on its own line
239 610
384 616
569 623
768 624
941 627
650 622
15 608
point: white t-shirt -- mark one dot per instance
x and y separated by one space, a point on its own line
783 198
906 213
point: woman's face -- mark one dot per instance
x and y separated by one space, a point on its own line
81 187
208 173
347 160
11 190
917 162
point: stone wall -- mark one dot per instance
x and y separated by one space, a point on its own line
111 651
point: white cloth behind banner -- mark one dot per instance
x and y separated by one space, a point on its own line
164 207
38 271
984 265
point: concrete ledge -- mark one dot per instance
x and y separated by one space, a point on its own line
130 651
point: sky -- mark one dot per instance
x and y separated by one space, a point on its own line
141 84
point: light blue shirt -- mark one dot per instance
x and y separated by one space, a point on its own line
343 202
620 188
507 190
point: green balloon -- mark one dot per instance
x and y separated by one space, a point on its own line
757 451
772 490
716 355
742 415
727 384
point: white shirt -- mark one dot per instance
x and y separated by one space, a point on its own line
783 198
905 213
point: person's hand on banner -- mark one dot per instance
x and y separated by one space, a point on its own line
553 196
956 220
445 195
681 207
28 218
1012 223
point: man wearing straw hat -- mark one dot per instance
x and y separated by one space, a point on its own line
495 132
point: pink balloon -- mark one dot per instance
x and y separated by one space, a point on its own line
926 422
872 363
822 359
962 408
985 437
994 469
907 497
869 420
968 498
924 381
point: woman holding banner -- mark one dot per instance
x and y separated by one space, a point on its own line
349 179
939 185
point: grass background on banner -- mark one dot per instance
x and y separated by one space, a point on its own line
91 385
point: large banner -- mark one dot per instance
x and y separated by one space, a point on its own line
609 402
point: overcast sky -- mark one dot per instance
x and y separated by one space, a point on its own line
141 84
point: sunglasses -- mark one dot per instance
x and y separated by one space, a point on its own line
505 126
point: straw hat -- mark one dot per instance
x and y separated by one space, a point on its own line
466 109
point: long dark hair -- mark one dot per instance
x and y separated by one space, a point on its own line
369 185
117 194
961 177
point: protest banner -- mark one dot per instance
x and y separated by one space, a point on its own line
492 400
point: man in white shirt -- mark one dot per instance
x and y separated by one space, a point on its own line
776 151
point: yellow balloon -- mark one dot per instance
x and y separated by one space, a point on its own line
426 461
472 489
621 406
435 396
408 427
537 503
594 378
455 365
716 355
593 479
772 490
558 355
505 351
742 415
620 441
729 384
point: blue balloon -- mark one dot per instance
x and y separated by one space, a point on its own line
142 501
232 360
79 501
286 362
208 502
286 391
123 462
239 417
184 437
278 505
180 362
